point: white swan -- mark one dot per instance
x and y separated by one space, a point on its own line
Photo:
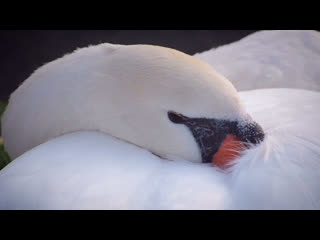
86 170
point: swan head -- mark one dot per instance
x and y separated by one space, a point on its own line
160 99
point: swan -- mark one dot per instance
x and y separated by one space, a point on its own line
79 148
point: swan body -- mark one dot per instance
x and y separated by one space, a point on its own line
91 170
270 59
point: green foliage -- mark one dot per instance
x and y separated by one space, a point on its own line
4 157
2 108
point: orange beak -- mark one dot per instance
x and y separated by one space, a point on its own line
229 150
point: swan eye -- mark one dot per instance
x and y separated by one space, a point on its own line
176 117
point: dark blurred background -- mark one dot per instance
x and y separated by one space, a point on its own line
23 51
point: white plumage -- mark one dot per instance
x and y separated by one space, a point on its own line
270 59
91 170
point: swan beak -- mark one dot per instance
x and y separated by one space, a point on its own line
242 138
220 141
